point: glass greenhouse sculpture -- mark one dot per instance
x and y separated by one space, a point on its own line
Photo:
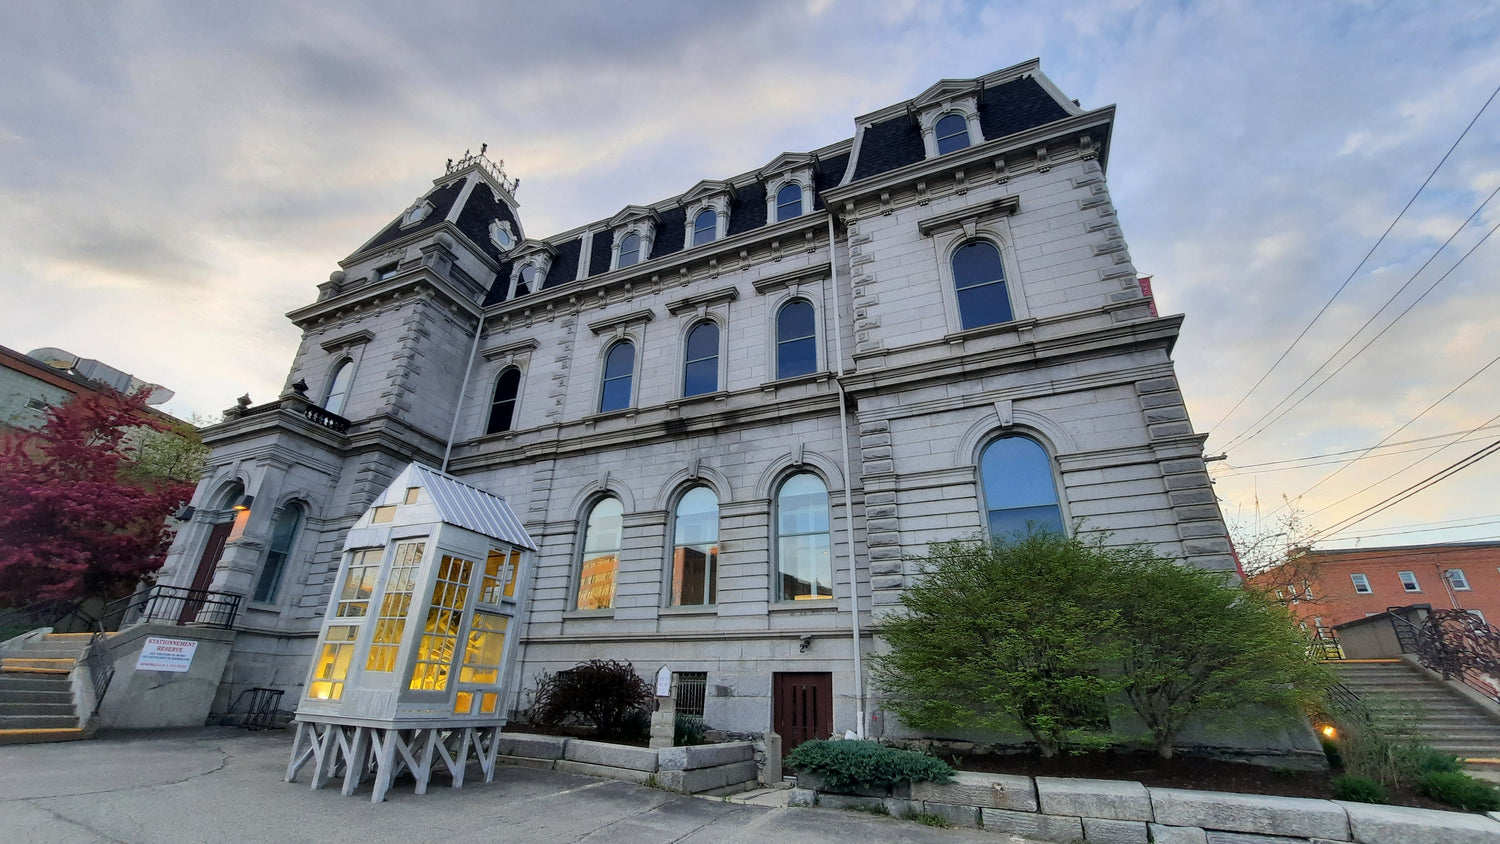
413 661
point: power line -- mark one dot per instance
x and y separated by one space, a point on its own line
1372 534
1241 471
1426 483
1407 424
1364 448
1252 432
1361 263
1403 468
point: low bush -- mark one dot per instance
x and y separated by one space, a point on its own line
1358 789
926 819
635 726
1434 760
1459 789
688 730
606 694
866 764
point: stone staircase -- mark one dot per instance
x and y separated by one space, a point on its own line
1452 723
36 692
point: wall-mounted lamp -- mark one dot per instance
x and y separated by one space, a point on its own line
185 514
244 502
804 644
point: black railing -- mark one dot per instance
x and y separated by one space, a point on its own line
101 667
691 688
1455 643
326 419
255 709
177 605
1325 646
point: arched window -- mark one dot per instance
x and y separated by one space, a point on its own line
600 559
619 366
338 387
527 283
705 226
283 534
952 132
979 277
695 548
503 405
701 362
804 552
789 202
1019 493
796 340
630 250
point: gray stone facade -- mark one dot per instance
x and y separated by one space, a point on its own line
892 420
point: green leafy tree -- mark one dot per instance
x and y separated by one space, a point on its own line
1194 643
1004 636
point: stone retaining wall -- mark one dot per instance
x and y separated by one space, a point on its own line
1119 812
708 768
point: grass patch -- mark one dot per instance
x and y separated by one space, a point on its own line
927 819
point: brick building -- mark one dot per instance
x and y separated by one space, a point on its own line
730 417
1351 584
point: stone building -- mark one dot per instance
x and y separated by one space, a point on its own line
729 417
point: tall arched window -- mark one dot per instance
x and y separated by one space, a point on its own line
338 387
619 366
701 360
600 559
283 534
789 202
503 403
979 278
695 548
952 131
705 226
1019 493
804 549
796 339
630 250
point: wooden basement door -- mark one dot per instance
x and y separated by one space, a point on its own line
801 707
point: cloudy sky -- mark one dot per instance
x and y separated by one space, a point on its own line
174 177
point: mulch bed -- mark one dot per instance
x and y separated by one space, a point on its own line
1179 772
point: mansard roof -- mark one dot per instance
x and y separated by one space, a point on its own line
1010 100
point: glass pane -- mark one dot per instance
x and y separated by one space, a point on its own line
796 340
703 341
702 376
694 574
977 263
1017 473
620 360
338 390
802 505
601 555
789 202
952 133
698 517
1006 524
630 250
984 305
438 645
618 366
805 565
798 357
503 407
705 227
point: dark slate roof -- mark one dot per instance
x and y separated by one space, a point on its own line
500 288
748 209
565 265
474 220
671 232
1016 106
442 202
599 255
888 145
827 174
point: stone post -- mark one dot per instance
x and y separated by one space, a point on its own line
664 719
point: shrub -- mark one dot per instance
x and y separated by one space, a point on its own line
1459 789
688 730
1434 760
866 764
604 693
926 819
1379 740
635 726
1357 789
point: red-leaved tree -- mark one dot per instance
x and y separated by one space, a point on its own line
75 521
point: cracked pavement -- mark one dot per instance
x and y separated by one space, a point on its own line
220 784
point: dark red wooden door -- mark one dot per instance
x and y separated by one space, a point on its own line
204 576
801 707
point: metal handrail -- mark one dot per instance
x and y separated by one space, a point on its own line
101 667
1454 643
202 607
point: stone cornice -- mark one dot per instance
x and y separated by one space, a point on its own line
496 352
993 208
398 286
784 280
706 299
621 321
344 341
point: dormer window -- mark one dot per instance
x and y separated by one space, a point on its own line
705 226
383 272
952 133
789 202
501 235
630 250
527 282
416 213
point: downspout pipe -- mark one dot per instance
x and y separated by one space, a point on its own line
838 334
463 389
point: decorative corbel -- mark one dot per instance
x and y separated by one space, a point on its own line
1005 410
1043 161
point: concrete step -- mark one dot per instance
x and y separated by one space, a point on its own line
10 696
37 736
30 682
50 666
37 722
51 651
54 710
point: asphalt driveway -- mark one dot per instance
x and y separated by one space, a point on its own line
224 785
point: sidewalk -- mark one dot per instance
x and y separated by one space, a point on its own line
225 785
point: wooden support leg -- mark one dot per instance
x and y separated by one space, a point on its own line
326 755
385 742
303 743
461 755
422 768
486 751
354 760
